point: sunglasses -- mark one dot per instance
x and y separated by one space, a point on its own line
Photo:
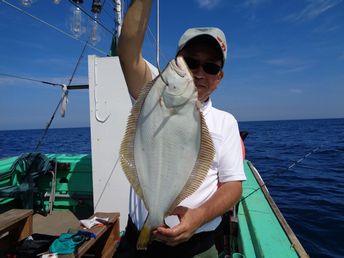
209 68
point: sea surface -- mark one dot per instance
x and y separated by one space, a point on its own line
301 162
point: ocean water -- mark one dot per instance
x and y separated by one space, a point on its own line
301 162
310 194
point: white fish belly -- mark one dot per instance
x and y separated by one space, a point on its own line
167 143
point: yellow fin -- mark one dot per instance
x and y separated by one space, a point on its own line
144 237
128 142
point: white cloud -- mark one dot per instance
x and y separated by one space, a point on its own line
289 65
287 61
254 3
252 7
326 28
208 4
239 52
312 10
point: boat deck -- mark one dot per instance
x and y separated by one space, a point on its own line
263 231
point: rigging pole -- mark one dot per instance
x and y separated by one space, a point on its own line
118 22
158 34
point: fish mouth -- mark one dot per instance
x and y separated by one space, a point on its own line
180 66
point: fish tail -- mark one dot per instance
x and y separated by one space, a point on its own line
144 237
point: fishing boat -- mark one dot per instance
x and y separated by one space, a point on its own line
87 183
255 228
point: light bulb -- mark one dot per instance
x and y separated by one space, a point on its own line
56 1
26 3
94 37
76 22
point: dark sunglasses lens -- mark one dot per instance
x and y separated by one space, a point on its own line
211 68
192 63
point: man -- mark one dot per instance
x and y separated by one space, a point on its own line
205 52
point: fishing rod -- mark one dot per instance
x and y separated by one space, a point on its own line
283 170
228 245
158 41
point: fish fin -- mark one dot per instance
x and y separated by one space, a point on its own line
204 160
144 237
128 142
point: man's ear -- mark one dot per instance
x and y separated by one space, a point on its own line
220 75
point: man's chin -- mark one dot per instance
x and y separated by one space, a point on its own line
202 91
202 97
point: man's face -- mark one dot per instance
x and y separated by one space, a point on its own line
202 54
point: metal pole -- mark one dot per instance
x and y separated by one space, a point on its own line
158 35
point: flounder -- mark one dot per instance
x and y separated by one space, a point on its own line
167 149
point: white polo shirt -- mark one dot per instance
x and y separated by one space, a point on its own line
227 166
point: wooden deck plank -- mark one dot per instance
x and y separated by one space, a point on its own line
15 225
107 236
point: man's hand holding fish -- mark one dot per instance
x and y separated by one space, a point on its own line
192 219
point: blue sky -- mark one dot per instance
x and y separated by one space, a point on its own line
286 58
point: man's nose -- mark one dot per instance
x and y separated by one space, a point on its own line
198 72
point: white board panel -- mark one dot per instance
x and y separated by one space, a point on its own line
110 105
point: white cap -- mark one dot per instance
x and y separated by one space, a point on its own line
213 32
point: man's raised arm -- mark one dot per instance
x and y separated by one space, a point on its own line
135 69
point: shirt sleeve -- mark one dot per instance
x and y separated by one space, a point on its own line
231 163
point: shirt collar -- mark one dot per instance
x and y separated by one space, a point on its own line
206 106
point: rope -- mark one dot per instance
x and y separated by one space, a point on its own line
52 26
30 79
92 18
65 92
107 182
64 95
283 170
153 42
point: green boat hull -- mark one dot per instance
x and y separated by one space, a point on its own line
258 228
73 188
263 231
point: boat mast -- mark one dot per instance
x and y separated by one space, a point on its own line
158 35
118 22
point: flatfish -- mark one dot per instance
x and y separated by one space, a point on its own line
167 149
